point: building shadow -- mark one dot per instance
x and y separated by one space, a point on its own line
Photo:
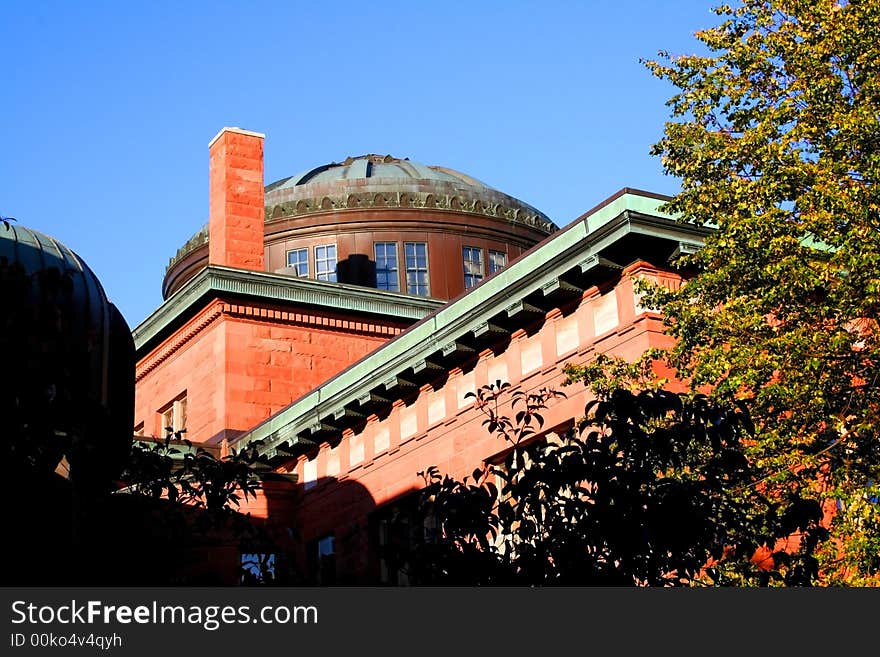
326 521
342 537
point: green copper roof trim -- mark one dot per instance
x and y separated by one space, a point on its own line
622 203
266 286
630 212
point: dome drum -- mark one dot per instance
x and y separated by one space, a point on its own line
346 212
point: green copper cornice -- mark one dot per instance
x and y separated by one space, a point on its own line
558 268
214 280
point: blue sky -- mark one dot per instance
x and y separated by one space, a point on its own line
108 107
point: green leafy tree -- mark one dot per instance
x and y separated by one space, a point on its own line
775 135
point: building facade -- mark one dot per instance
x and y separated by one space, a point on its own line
339 318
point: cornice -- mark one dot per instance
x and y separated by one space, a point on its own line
167 350
506 209
260 313
294 318
194 242
557 271
277 288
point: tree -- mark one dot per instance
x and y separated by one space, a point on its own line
193 502
776 139
650 488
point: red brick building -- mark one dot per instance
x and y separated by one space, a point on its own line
341 316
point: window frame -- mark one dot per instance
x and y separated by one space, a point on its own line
174 415
492 267
303 250
328 275
322 564
396 276
475 279
417 270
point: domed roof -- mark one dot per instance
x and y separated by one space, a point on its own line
374 167
37 253
69 353
385 181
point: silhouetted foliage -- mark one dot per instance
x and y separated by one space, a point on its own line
200 496
649 488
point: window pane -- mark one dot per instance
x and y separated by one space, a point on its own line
386 266
167 420
416 254
497 261
325 546
257 568
173 416
325 262
299 259
473 266
180 415
323 560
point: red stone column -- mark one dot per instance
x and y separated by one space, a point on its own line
235 227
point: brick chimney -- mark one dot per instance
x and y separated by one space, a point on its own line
235 225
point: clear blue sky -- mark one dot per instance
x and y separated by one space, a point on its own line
107 107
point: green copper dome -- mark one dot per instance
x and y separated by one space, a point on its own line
38 254
376 167
68 359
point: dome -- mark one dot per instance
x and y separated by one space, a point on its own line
385 181
375 167
36 254
68 356
374 199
